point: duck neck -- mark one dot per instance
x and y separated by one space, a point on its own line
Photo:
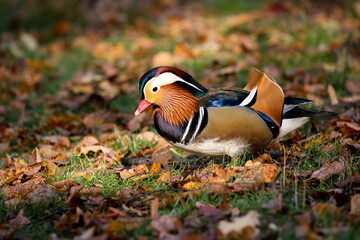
178 105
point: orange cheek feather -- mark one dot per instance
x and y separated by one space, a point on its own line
144 104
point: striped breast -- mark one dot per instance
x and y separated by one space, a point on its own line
182 133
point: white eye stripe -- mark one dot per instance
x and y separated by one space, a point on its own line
165 79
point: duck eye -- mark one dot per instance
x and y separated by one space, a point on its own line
155 89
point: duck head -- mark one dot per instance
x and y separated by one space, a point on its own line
172 92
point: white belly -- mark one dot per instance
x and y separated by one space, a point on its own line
215 147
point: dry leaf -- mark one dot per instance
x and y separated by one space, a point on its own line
355 204
275 205
18 191
91 191
192 185
348 182
155 168
42 194
164 177
164 225
64 184
19 220
154 209
162 155
332 94
88 141
210 213
57 139
327 171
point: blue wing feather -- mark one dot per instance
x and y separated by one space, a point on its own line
224 98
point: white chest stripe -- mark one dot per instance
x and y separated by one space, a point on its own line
249 98
201 115
186 130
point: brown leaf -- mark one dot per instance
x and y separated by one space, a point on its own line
327 171
88 141
164 177
275 205
217 188
211 214
348 128
18 191
102 120
162 155
57 139
348 182
42 194
355 204
127 173
136 122
332 94
19 220
154 209
91 191
351 143
164 225
120 225
63 185
252 170
325 210
242 187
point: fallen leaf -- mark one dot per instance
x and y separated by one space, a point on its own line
348 182
327 171
332 94
18 191
154 209
88 141
57 139
211 214
91 191
19 220
162 155
42 194
275 205
155 168
164 225
355 204
102 120
63 185
164 177
192 185
237 227
325 210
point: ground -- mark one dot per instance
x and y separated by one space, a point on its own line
75 163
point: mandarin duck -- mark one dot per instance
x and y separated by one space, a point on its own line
222 121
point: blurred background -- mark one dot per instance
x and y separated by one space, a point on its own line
63 60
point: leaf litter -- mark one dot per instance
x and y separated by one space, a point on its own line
112 176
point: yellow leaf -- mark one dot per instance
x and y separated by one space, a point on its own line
192 185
